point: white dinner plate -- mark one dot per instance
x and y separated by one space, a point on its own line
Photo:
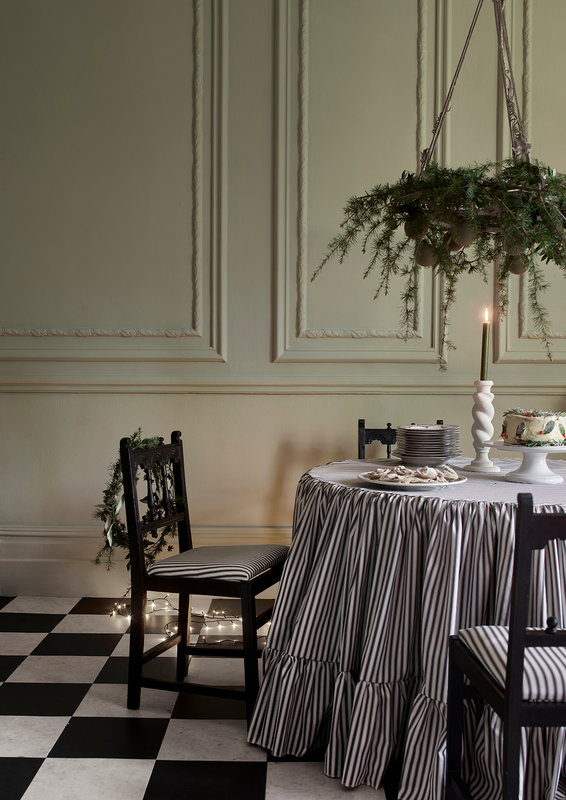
417 487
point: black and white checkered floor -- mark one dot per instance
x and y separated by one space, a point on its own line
66 734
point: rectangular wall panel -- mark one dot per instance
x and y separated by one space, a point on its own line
111 153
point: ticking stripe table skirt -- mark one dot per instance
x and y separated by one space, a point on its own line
375 582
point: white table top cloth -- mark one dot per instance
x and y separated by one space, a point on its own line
375 582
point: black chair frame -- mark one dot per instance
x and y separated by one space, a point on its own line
532 532
387 436
174 511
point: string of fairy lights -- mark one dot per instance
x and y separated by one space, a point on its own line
206 623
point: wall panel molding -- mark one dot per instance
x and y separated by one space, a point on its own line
517 341
91 535
294 338
204 337
386 384
43 559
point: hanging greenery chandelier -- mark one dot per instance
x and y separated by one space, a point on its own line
460 221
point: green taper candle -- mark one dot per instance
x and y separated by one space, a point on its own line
484 348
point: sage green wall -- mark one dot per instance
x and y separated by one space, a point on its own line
171 174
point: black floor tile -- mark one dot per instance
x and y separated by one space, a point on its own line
16 774
194 706
163 668
77 644
29 623
5 600
8 664
41 699
118 737
114 671
213 780
96 605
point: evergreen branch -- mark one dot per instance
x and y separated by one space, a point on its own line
515 209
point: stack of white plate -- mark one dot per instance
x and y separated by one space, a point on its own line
427 445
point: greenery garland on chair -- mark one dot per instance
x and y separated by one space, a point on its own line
115 532
457 222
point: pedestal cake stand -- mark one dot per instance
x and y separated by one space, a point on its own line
534 467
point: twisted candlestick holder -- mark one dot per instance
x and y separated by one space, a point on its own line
482 429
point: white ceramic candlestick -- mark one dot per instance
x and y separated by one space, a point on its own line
482 429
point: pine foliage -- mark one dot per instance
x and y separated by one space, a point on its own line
110 512
510 213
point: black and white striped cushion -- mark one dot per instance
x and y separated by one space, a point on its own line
230 562
544 676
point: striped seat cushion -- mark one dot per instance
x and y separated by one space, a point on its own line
230 562
544 676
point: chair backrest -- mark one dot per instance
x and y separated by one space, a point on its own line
156 503
387 436
532 533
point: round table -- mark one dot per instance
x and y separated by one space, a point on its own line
375 582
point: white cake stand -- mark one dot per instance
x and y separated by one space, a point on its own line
534 467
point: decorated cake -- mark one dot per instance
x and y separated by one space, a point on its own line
534 428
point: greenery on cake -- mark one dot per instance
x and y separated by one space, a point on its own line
109 512
531 443
460 222
523 413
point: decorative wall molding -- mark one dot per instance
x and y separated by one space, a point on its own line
296 341
22 536
47 559
209 338
386 384
174 333
516 334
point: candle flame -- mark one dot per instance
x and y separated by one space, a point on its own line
486 315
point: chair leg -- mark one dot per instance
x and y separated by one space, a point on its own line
183 629
135 662
454 727
511 759
249 636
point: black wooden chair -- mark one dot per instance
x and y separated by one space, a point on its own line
156 499
515 670
387 436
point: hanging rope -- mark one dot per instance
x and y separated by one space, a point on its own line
427 154
519 144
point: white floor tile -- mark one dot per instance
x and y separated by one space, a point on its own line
58 669
92 623
217 671
208 740
123 646
19 644
305 780
90 779
109 700
29 737
40 605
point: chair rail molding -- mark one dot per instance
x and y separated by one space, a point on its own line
36 557
204 337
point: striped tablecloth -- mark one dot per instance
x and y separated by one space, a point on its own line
375 582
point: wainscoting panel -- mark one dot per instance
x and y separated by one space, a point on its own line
37 558
110 250
333 84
